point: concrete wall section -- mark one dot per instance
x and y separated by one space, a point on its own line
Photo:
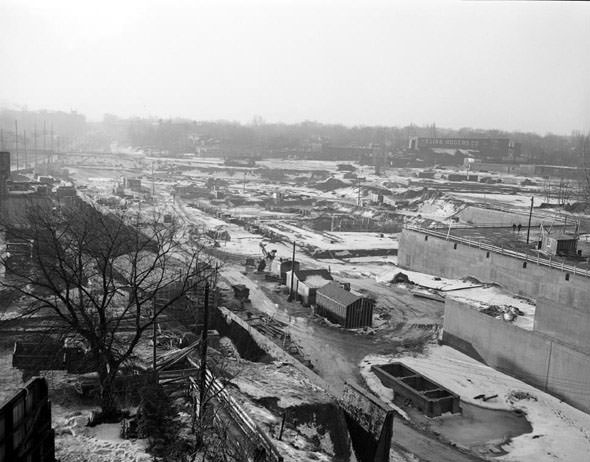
500 345
530 356
446 258
567 322
569 376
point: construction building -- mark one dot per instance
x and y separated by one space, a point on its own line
282 267
558 243
307 282
343 307
483 148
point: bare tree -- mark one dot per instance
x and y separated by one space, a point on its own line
107 279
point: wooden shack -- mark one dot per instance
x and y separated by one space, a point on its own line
558 243
307 282
280 267
343 307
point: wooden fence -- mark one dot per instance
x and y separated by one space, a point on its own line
25 425
255 443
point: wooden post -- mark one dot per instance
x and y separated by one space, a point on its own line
203 371
528 232
25 146
292 273
282 426
16 143
154 340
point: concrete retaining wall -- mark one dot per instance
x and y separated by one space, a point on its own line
441 257
563 299
530 356
567 320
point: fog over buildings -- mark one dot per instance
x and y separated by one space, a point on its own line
505 65
294 231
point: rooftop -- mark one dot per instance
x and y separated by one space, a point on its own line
335 292
313 275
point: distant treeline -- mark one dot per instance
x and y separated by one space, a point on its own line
227 138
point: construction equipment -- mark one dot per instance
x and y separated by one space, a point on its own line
241 292
270 256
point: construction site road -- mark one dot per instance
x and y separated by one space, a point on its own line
335 355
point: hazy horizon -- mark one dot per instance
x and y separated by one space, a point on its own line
522 66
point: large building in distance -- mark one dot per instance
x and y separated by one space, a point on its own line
486 148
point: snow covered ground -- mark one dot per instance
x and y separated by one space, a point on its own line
560 432
438 209
483 297
515 200
425 280
334 240
75 442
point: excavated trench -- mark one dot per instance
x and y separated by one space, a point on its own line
322 424
241 338
477 429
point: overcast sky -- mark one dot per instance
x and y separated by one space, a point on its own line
507 65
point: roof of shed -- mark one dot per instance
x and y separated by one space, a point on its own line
334 291
304 275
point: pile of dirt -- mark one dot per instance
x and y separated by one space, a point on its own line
331 184
401 278
578 207
412 193
493 310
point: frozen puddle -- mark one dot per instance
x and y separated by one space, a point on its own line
479 429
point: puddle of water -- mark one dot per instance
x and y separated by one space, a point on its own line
476 426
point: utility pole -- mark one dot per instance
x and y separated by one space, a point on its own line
16 142
2 138
154 340
36 153
153 185
528 232
203 371
292 273
358 200
358 184
45 143
25 146
51 151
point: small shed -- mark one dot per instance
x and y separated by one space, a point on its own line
307 282
343 307
241 291
583 247
280 267
558 243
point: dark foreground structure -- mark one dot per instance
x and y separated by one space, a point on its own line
428 396
25 425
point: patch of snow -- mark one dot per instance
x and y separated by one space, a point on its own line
482 297
560 431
